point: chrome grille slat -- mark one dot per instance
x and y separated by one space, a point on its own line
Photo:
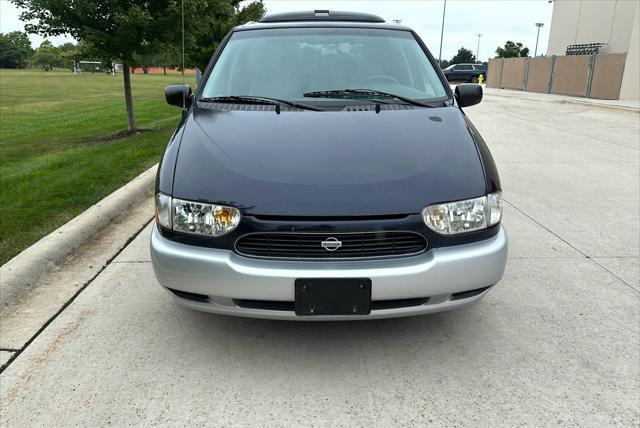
308 245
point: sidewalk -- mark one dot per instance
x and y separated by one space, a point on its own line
632 105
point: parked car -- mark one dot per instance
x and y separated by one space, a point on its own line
324 170
465 72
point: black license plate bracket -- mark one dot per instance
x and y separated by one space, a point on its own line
332 296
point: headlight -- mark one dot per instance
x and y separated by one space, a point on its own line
195 217
464 216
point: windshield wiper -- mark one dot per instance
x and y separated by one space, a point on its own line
246 99
372 93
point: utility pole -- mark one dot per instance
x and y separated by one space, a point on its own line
539 25
444 10
478 49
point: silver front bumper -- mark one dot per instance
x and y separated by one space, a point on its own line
224 275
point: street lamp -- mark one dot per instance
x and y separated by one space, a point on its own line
444 10
478 48
539 25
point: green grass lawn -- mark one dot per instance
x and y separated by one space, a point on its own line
54 163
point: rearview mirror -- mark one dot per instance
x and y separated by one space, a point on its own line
468 94
178 95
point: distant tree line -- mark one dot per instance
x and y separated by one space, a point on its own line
466 56
16 52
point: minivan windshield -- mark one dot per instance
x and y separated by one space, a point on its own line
288 63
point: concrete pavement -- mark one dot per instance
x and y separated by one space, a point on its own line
557 342
631 105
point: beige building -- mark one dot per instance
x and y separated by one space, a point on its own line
612 22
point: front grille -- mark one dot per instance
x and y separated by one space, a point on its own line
352 245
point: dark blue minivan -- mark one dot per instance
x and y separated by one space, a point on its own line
325 170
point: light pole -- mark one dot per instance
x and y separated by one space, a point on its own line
539 25
478 48
444 10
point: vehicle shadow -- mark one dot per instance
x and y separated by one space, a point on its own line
287 345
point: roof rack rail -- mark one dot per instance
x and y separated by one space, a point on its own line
322 15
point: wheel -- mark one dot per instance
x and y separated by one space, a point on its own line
474 79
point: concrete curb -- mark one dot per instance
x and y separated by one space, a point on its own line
21 273
629 109
561 99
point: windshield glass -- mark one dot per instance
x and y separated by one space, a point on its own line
287 63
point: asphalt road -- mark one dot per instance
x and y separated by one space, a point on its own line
557 342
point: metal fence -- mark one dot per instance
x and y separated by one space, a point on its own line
591 76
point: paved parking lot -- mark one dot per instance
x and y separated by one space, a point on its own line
556 342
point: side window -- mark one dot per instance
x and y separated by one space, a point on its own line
464 67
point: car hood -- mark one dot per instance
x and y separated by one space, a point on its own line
305 163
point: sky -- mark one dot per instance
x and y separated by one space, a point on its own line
10 21
497 20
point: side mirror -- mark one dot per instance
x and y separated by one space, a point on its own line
468 94
178 95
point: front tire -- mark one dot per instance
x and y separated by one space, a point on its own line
474 79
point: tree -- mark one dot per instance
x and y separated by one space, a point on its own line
122 29
206 33
169 56
115 29
464 56
512 50
8 53
15 49
47 56
68 55
144 58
